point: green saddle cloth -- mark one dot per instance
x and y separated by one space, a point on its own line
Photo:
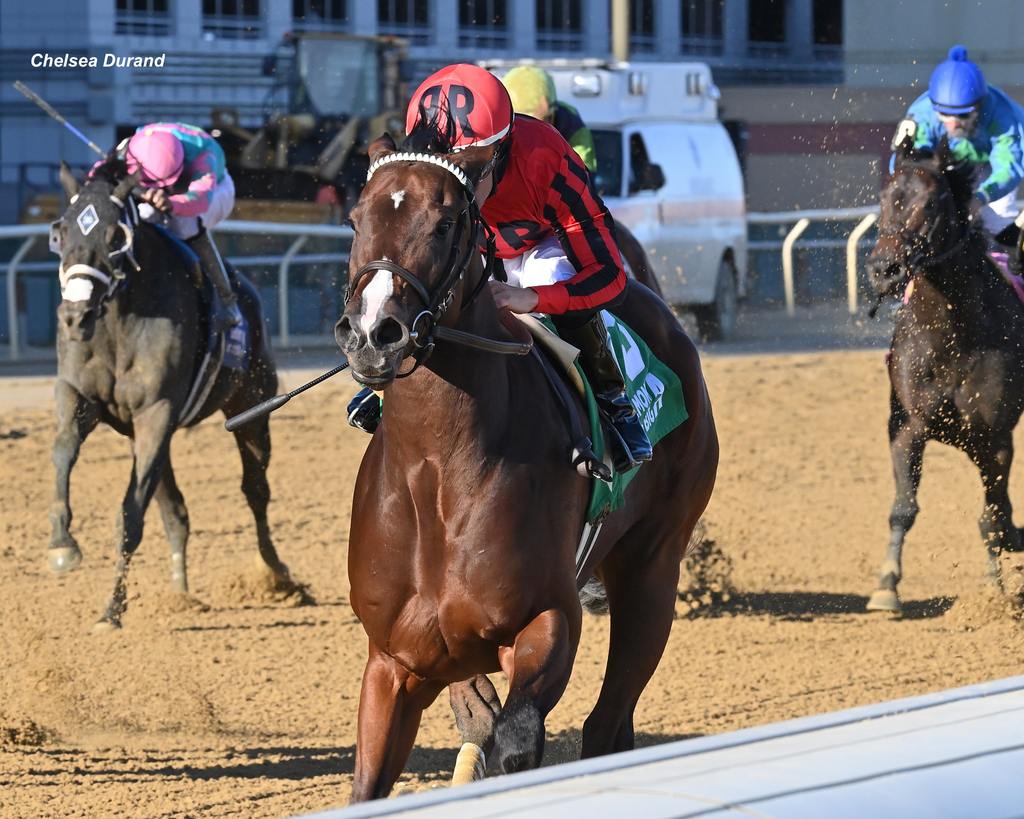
656 394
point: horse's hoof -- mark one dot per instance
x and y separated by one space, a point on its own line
64 559
885 600
105 626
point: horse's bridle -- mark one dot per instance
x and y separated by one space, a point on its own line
436 303
920 243
128 219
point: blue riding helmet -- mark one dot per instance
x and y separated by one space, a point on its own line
957 85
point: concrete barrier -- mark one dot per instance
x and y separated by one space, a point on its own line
956 754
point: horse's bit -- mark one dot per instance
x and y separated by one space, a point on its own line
438 302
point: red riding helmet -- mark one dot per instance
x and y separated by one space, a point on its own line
466 101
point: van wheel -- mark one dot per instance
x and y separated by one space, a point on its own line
717 321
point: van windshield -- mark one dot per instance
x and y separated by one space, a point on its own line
608 148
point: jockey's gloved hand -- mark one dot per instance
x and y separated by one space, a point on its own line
147 213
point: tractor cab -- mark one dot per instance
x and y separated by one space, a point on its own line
332 95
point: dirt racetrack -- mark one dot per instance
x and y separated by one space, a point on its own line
239 704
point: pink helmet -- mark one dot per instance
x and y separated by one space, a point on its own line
158 155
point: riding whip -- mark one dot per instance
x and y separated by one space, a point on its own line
271 404
49 109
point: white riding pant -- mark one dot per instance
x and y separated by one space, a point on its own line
999 213
544 263
222 202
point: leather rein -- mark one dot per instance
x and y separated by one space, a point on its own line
426 329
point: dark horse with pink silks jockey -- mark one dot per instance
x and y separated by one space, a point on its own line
131 335
956 362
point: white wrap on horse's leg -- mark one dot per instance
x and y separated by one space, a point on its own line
470 765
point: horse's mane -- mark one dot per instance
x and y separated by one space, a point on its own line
111 170
427 135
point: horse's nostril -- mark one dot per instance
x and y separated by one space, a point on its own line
387 332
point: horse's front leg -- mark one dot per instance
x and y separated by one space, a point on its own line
151 437
76 418
906 446
391 704
175 517
994 458
538 667
476 705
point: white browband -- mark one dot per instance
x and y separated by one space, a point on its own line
452 168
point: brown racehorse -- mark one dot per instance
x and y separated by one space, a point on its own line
466 514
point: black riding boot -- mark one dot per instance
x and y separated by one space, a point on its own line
209 257
602 370
364 410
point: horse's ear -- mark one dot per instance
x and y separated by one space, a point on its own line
67 180
943 155
124 187
381 146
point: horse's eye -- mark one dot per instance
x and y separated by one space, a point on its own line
443 227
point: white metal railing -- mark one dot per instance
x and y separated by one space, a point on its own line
301 233
801 219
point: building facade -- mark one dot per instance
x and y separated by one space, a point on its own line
215 48
811 88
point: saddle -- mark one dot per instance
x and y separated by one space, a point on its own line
654 389
652 386
221 350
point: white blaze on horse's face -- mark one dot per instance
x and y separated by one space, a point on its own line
375 296
397 198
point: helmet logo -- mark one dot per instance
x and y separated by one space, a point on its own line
460 104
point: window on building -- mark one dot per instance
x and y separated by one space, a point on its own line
405 18
828 29
641 27
146 17
320 15
483 24
702 26
232 19
559 25
766 28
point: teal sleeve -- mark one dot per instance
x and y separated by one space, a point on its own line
1005 162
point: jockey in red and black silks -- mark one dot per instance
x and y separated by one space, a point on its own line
544 192
552 231
541 197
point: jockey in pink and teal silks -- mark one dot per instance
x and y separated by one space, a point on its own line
183 172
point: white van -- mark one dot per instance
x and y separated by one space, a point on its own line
668 171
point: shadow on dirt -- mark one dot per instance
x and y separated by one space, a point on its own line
806 606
